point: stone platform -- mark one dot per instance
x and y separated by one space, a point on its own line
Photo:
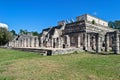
50 51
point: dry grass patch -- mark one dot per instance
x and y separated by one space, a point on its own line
32 69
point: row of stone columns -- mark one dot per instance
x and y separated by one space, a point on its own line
96 42
115 44
26 42
52 43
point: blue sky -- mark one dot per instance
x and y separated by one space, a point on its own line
35 15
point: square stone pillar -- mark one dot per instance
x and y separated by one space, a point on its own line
32 42
29 42
25 42
88 42
98 43
59 42
37 42
51 43
107 42
94 43
68 41
85 41
22 43
16 43
79 42
41 42
54 43
116 42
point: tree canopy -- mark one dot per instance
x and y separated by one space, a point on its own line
5 36
35 33
115 24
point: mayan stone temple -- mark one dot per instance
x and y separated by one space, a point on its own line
87 33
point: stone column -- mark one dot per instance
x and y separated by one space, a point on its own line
107 42
29 43
116 42
79 42
52 42
16 43
22 42
88 42
59 42
25 42
41 41
32 42
98 44
37 42
55 41
68 40
94 43
85 41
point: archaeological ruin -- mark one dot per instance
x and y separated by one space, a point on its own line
87 33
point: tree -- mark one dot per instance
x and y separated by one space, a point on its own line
111 24
115 24
5 36
13 32
23 31
35 33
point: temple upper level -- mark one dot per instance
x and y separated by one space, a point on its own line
92 19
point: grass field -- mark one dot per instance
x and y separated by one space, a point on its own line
16 65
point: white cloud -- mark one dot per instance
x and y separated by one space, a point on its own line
3 25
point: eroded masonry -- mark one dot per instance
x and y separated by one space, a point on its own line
87 33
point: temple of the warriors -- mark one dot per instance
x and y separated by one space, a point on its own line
87 33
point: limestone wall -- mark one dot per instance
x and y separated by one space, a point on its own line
91 18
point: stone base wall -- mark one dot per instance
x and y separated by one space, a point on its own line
66 51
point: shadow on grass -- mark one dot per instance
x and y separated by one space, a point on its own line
103 53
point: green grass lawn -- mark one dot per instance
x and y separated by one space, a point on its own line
17 65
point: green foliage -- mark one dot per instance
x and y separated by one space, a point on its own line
115 24
23 31
26 32
5 36
17 65
93 21
35 33
13 33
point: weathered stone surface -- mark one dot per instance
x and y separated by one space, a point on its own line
116 43
107 42
98 43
